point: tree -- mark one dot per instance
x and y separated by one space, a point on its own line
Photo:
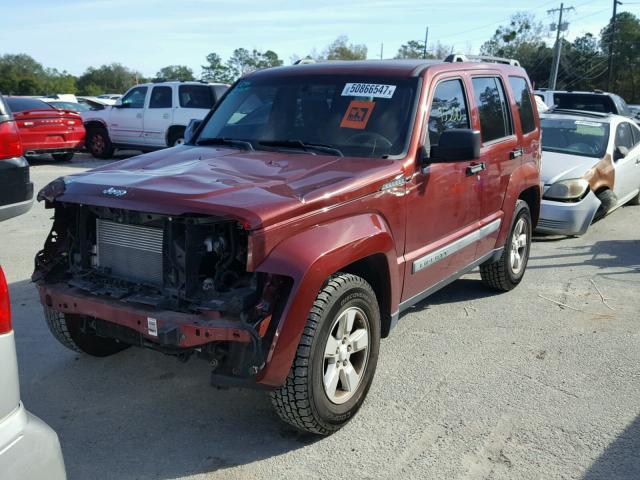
341 49
175 72
215 70
412 49
582 64
242 61
626 56
522 40
113 78
21 75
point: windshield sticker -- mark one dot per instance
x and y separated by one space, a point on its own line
373 90
588 124
357 115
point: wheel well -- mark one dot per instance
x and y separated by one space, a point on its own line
532 196
173 130
375 270
93 124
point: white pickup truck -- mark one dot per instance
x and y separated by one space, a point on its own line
149 116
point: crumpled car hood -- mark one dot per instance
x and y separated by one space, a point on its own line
562 166
259 188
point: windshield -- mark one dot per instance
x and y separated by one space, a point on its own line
354 115
590 102
575 137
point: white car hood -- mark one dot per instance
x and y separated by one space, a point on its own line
562 166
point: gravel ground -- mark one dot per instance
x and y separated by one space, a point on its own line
470 385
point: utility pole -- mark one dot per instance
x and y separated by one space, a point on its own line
426 37
611 42
381 50
553 78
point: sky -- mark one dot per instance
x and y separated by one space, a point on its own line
147 35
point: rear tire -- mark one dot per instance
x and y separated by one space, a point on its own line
62 157
336 358
99 143
67 330
635 200
507 272
607 200
176 137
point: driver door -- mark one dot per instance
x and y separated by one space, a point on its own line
127 119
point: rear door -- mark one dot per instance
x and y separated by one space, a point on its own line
158 115
126 121
627 178
500 152
443 200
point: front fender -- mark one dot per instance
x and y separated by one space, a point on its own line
309 258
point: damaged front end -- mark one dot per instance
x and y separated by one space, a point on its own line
177 284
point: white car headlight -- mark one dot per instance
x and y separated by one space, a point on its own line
567 190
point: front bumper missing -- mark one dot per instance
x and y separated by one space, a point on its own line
162 327
564 218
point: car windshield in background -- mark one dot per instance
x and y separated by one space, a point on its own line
18 104
353 115
575 137
76 107
584 101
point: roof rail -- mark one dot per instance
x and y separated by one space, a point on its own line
572 111
458 57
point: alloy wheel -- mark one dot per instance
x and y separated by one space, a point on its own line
346 354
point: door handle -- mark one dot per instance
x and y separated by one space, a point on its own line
476 168
166 115
138 115
513 154
637 161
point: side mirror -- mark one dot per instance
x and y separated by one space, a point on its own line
455 145
194 124
620 152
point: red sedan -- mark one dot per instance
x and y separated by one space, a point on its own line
46 130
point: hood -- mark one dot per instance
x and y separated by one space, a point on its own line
562 166
259 188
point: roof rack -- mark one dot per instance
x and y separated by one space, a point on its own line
458 57
584 113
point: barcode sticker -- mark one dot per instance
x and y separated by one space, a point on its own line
368 90
152 326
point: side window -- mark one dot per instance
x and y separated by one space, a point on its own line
522 95
196 96
161 97
624 137
636 135
135 98
495 121
448 109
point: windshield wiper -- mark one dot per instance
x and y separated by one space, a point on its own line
232 142
299 144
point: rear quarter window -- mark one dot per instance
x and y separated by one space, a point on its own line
584 101
196 96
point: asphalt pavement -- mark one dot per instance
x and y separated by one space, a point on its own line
470 385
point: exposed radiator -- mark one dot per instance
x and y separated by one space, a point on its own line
130 252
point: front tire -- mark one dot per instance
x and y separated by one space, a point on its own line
99 143
336 358
62 157
507 272
607 201
67 330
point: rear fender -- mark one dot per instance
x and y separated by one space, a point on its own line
524 177
309 258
